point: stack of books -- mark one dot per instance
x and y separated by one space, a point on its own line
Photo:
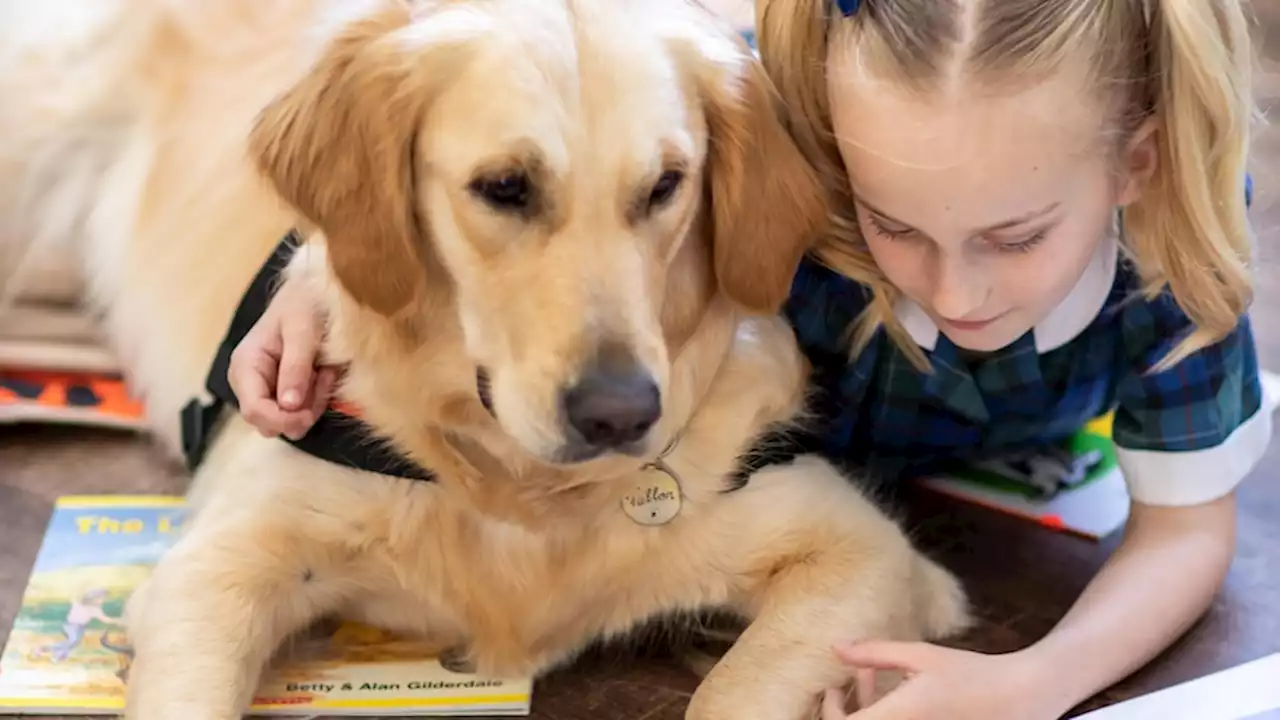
55 365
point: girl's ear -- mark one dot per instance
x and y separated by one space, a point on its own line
1138 163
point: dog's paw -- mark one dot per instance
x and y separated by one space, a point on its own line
941 602
713 704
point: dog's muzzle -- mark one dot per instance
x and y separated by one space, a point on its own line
612 405
610 408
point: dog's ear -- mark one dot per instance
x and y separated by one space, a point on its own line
767 204
339 146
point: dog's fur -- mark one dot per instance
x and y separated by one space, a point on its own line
370 120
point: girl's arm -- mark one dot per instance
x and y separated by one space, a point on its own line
1155 585
1185 438
1159 581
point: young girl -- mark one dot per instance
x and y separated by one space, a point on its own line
1040 217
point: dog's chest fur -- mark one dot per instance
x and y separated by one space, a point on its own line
421 557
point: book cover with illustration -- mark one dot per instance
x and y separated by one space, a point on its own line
1077 488
68 653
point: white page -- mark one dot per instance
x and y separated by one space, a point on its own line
1236 693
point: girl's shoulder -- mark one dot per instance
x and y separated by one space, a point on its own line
1150 325
1189 430
823 306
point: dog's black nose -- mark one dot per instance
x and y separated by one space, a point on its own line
615 403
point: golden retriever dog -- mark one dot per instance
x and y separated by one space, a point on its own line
590 203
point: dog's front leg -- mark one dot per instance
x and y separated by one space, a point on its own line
813 564
209 618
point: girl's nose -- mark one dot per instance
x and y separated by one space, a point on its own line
960 290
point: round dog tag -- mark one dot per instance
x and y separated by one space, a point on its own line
655 500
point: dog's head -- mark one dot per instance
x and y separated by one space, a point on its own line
580 180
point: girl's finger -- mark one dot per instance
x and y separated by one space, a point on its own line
249 374
300 422
263 415
297 376
326 380
833 705
864 682
300 344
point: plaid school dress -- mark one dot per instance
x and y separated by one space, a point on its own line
1183 436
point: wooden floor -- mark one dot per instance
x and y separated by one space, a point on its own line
1023 579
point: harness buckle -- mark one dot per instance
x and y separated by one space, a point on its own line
197 422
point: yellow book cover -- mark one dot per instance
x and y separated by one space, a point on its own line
67 652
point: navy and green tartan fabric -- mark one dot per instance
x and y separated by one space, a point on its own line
879 413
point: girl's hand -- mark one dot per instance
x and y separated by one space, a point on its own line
943 684
1115 627
273 370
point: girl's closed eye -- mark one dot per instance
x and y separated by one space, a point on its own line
888 228
893 230
1026 244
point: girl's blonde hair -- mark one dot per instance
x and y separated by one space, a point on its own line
1185 64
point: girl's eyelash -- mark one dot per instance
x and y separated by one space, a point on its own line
886 232
1018 247
1024 245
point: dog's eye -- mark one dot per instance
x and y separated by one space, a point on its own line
506 192
665 188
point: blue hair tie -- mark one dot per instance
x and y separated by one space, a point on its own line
848 7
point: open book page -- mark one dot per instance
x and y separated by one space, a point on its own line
1245 692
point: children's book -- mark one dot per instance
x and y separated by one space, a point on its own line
68 653
1076 488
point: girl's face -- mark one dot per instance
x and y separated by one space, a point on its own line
984 210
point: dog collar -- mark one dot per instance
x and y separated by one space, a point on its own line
338 436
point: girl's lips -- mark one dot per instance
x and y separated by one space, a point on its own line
970 325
